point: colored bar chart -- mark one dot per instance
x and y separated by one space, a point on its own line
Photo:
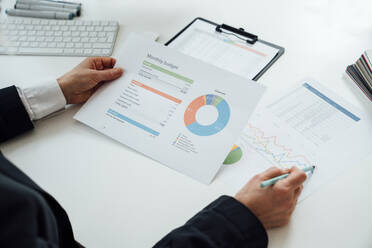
133 122
168 72
155 91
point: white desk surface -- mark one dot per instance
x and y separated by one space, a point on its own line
116 197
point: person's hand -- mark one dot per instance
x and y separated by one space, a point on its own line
273 205
80 83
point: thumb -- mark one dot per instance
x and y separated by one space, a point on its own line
109 74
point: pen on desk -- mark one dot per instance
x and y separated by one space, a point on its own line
75 12
40 14
275 179
50 4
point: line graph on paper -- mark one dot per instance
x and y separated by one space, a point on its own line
270 148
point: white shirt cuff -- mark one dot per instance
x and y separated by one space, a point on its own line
42 100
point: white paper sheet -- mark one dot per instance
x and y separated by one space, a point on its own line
201 41
308 126
173 108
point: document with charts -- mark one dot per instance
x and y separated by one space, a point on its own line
308 126
173 108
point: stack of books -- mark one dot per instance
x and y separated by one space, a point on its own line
361 73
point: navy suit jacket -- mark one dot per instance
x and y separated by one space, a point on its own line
30 217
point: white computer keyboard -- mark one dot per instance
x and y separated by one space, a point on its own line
29 36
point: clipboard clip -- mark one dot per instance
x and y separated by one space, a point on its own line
237 33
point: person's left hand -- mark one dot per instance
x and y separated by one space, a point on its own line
80 83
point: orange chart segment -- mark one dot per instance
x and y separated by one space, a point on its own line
190 114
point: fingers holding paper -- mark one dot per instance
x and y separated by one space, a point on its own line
80 83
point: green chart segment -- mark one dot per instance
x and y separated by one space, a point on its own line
234 156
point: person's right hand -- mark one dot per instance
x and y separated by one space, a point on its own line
273 205
81 82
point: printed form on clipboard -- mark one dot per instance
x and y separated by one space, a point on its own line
226 50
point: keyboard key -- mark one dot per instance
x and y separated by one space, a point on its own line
78 51
106 51
101 45
12 50
109 29
98 28
25 44
66 34
93 34
68 51
45 51
97 51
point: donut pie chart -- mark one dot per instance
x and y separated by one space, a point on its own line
223 110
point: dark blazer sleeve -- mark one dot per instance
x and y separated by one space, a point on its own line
26 220
14 119
224 223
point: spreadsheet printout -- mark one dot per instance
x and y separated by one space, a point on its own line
308 126
225 51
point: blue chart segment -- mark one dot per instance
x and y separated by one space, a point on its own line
206 130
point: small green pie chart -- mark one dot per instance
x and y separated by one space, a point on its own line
234 156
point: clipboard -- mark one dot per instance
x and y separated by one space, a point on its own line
229 35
